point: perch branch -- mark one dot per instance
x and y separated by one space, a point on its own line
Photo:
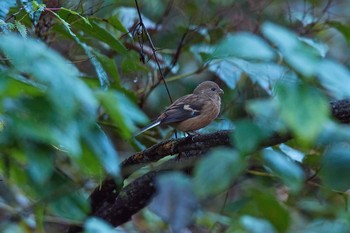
118 207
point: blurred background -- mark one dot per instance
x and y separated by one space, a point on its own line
79 78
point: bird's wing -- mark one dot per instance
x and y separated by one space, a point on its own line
184 108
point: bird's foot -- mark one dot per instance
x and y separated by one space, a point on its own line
192 134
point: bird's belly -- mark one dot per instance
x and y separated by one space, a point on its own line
197 122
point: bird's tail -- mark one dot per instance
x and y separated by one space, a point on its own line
150 126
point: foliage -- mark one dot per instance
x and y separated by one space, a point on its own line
78 79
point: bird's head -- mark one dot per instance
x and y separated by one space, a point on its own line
208 88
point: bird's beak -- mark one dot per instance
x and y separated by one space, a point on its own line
221 91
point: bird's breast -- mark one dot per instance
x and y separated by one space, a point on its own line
208 113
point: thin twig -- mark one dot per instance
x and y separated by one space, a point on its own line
154 51
177 53
166 12
173 62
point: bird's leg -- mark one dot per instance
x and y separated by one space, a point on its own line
192 134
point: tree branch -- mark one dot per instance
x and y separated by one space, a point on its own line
118 207
341 110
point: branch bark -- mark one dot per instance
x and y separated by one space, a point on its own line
118 207
341 110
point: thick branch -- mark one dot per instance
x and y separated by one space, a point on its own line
341 110
118 209
174 146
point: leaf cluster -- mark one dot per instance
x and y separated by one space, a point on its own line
77 79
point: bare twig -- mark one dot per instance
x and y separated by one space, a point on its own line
327 6
177 53
172 64
166 12
154 51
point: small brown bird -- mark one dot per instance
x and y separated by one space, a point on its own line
193 111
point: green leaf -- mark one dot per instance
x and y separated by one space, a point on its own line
256 225
12 228
286 169
314 206
103 148
243 45
263 204
321 48
227 71
131 63
334 133
37 60
122 111
4 9
320 225
60 194
335 170
5 27
224 165
301 56
21 28
203 52
13 84
342 28
101 34
247 136
96 225
18 175
110 67
38 120
76 203
102 76
116 23
175 201
292 153
40 163
265 74
90 163
304 109
101 73
86 20
266 114
335 78
62 113
34 10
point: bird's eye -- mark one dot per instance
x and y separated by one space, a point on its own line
213 89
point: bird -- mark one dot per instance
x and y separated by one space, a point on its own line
191 112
